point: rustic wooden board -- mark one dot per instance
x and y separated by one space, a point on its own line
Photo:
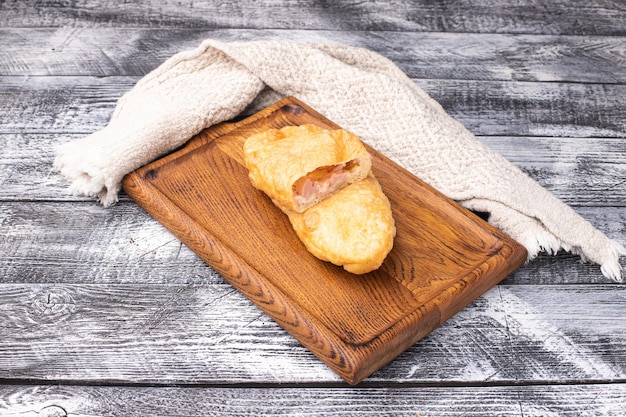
443 256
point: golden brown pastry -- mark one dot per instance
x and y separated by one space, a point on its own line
298 166
353 228
322 180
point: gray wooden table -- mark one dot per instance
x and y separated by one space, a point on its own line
104 313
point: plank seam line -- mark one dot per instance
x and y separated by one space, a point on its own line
310 385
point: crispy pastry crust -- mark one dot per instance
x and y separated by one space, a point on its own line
322 180
304 159
354 228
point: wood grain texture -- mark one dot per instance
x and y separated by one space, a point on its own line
570 167
210 334
551 109
85 104
115 317
569 401
558 17
355 324
109 52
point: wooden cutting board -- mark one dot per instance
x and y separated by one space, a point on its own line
443 257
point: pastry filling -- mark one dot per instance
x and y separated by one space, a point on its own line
322 182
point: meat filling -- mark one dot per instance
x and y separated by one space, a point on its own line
322 182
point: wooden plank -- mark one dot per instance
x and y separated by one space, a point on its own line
145 334
543 333
46 242
87 243
84 104
209 334
532 109
561 400
123 244
552 333
549 269
558 17
61 105
528 333
131 52
580 171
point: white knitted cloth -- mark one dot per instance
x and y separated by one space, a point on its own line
359 90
